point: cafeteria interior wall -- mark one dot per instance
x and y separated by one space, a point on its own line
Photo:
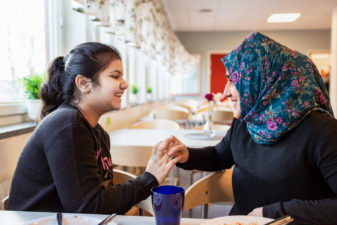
206 42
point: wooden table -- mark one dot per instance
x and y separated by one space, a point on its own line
20 217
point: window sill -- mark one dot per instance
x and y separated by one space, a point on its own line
16 129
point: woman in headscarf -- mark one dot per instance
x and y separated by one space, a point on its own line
283 139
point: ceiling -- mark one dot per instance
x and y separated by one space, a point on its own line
229 15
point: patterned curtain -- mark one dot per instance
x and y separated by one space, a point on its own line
143 24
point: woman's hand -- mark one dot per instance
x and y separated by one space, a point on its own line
176 149
256 212
160 164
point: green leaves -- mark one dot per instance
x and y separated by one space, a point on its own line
134 89
149 90
32 85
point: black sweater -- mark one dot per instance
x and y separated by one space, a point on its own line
66 167
296 176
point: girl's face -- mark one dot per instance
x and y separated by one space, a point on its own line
106 95
232 93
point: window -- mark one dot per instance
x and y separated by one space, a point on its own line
23 44
187 83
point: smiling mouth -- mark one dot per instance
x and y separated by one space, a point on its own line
119 95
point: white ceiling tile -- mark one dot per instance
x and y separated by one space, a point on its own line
247 14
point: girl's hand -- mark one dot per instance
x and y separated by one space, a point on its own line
160 164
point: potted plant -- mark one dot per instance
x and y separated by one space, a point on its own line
32 84
149 93
134 94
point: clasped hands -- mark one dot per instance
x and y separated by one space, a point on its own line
173 148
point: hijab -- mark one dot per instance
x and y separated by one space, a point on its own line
278 87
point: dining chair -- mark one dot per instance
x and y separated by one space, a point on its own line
4 202
156 124
222 116
136 157
123 177
216 187
218 114
172 112
129 158
188 103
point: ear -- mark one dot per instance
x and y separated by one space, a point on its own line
83 84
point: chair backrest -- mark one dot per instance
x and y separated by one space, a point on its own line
219 114
156 124
170 114
222 116
190 104
135 156
122 177
216 187
4 201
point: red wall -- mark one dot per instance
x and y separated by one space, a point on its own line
218 73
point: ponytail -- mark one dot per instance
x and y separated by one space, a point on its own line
51 92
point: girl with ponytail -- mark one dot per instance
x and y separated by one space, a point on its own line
66 165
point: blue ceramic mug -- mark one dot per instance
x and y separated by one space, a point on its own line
167 202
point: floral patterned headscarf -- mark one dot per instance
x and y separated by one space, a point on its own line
278 87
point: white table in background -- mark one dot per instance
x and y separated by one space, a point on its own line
20 217
150 137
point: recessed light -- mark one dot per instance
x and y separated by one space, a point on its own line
205 10
283 17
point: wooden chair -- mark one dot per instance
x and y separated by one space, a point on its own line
222 116
216 187
218 115
189 104
4 202
123 177
172 112
135 156
156 124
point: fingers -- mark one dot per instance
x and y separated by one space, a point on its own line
173 162
176 150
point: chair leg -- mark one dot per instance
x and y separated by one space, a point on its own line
204 212
141 212
190 213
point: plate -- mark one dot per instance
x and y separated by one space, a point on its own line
71 219
237 220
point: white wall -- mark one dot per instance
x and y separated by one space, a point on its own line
203 42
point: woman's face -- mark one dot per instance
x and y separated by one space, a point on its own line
106 95
232 93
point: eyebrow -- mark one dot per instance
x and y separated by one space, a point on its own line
115 71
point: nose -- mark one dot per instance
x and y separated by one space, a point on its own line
124 85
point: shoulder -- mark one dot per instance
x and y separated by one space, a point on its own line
64 117
323 130
320 122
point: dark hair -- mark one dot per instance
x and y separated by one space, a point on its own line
87 59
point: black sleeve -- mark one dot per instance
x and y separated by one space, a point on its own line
210 158
75 171
322 211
